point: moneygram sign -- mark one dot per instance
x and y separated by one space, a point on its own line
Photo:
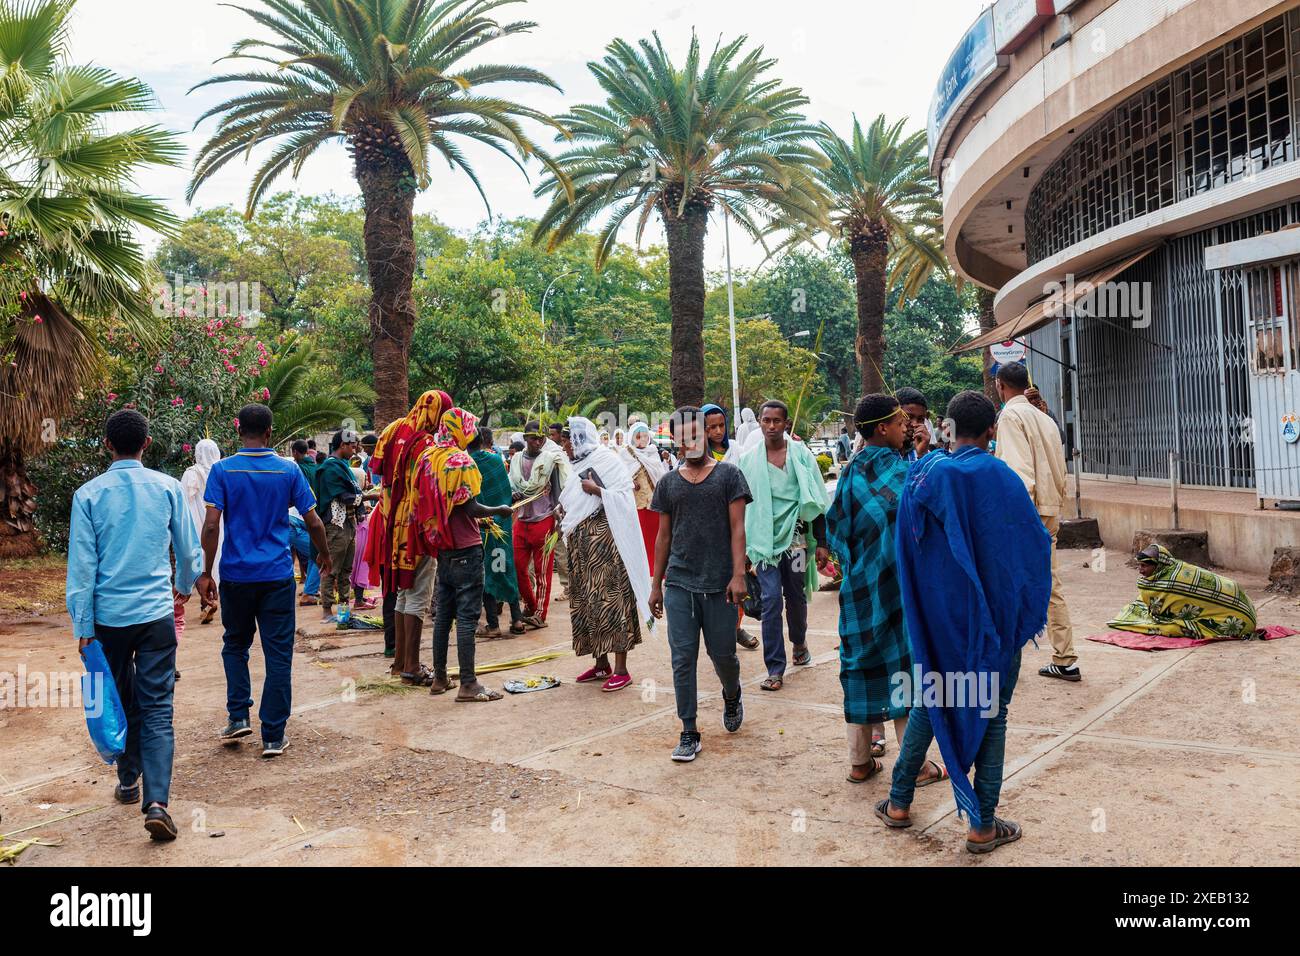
972 66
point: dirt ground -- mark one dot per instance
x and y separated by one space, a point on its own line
1170 757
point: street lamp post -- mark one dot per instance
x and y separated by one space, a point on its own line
731 317
546 398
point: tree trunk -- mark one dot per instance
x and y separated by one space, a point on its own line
686 301
18 538
389 196
847 405
984 297
870 256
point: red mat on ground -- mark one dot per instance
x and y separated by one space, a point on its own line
1158 642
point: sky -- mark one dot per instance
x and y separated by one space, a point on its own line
862 57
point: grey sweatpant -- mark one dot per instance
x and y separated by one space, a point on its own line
688 614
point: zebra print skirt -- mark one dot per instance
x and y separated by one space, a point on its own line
602 607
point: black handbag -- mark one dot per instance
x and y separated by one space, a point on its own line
753 603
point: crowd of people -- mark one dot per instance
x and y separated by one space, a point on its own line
941 539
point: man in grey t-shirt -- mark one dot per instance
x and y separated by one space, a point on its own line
699 571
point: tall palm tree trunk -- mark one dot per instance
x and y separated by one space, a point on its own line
18 538
388 191
686 300
870 262
984 298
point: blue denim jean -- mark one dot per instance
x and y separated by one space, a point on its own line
142 658
300 541
266 607
778 581
988 760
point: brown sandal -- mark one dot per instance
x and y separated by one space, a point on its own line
942 775
876 767
772 683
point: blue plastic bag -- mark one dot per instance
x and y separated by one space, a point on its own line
105 718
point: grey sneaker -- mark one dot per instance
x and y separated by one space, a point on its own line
687 747
235 729
273 748
733 714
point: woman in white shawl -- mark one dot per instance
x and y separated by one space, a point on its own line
609 576
647 467
193 482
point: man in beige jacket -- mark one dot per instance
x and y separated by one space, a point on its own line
1030 443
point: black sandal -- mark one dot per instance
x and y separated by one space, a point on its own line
1004 831
881 810
421 678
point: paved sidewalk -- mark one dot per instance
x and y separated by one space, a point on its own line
1173 757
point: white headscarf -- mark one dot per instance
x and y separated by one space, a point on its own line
194 483
647 456
616 499
747 425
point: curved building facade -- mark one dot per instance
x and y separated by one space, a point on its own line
1126 175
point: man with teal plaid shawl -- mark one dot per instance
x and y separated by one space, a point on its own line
873 634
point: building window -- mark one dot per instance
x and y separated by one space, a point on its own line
1224 117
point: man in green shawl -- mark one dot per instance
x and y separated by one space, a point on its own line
337 496
500 585
784 527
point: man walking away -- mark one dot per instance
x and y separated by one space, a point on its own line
783 524
966 531
252 491
120 593
699 572
1030 443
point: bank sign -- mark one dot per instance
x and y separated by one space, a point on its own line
1015 21
971 64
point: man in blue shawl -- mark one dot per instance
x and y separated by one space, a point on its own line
974 566
873 638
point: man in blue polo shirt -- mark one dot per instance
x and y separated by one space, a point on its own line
120 593
252 491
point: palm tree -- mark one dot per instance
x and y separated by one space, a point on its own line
381 76
67 211
682 142
886 208
298 412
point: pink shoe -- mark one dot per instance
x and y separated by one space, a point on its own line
595 673
616 682
369 604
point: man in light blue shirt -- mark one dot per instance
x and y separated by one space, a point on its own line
124 523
